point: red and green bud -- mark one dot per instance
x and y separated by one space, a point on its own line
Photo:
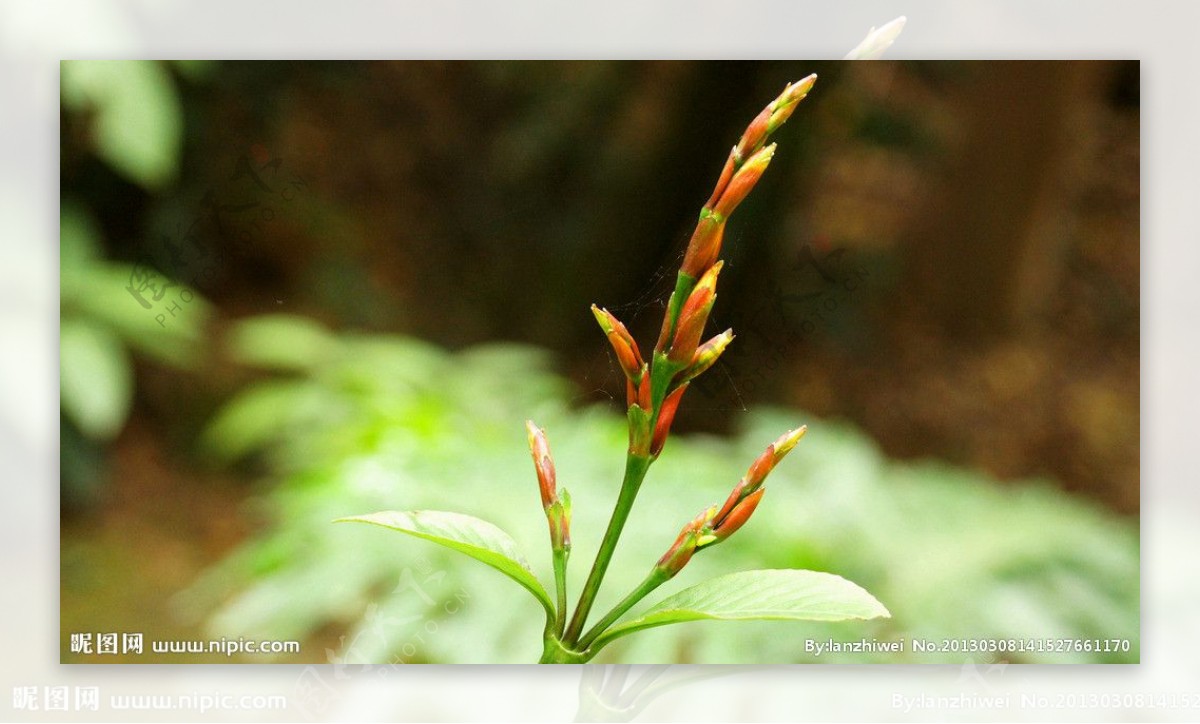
693 317
772 117
559 517
542 463
623 344
665 417
743 181
705 245
781 108
706 356
731 164
685 546
755 135
737 516
760 468
638 393
639 431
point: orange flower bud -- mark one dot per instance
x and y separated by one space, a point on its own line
693 316
755 135
781 108
622 342
542 463
707 355
731 164
705 244
787 441
772 455
643 394
737 517
744 181
760 468
684 547
665 417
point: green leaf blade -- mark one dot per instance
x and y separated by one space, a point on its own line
782 595
476 538
139 118
95 379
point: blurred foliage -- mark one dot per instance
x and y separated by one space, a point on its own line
352 423
100 323
138 118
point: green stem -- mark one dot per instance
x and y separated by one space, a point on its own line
656 578
635 473
560 583
553 652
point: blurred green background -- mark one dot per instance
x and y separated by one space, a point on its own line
295 291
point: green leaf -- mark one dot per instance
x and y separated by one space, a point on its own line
139 120
257 417
477 538
171 332
785 595
280 341
96 380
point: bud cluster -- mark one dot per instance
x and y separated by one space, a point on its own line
716 524
655 386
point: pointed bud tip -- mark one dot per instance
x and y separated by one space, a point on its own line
788 441
602 316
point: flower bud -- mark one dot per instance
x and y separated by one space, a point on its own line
558 515
622 342
731 164
781 108
684 547
665 417
705 244
693 316
760 468
743 181
542 463
773 454
706 356
755 135
787 441
737 517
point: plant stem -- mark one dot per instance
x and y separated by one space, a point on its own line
656 578
635 471
553 652
560 583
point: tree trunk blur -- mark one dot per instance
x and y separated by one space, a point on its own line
988 251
